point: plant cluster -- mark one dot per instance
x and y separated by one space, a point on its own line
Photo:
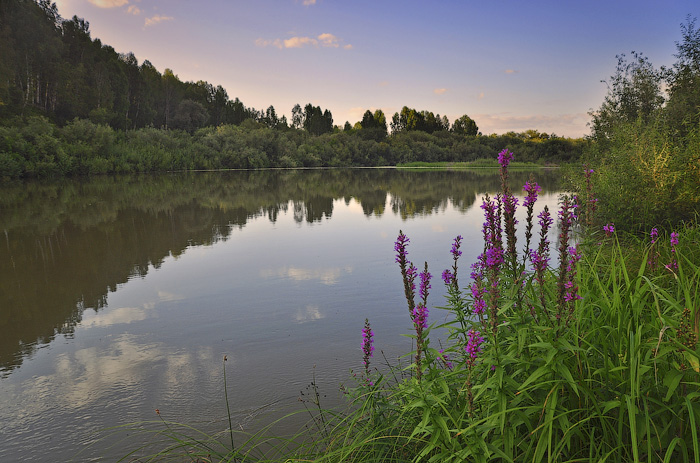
646 140
594 358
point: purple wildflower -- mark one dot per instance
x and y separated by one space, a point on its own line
609 229
531 189
411 275
546 220
367 347
478 304
539 263
400 247
504 158
674 242
424 285
447 277
445 359
420 317
570 286
654 235
473 347
455 247
408 270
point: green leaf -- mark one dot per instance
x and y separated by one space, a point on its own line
692 359
672 380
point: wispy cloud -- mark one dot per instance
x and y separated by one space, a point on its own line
510 71
133 9
109 3
440 91
309 2
568 125
153 20
480 96
324 40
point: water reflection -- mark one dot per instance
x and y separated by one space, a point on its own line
68 244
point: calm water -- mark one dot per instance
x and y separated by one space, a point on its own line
119 296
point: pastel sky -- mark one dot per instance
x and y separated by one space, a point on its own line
509 65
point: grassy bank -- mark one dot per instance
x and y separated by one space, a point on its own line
477 163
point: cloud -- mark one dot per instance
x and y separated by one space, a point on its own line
269 43
439 91
133 9
480 96
153 20
108 3
309 2
567 125
324 40
298 42
310 314
327 276
510 71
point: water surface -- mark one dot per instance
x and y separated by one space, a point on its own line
121 295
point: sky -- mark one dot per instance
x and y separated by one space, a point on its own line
509 65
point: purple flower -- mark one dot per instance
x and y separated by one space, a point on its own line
400 247
478 304
609 229
473 347
546 220
504 158
477 271
539 261
654 235
447 277
446 359
420 317
674 242
455 247
531 189
367 347
411 275
424 284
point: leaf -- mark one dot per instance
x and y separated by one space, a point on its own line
609 405
692 360
672 380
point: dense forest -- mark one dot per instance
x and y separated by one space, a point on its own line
71 105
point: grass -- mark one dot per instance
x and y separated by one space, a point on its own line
478 163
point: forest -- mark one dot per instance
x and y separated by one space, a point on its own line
71 105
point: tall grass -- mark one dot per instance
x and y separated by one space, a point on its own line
595 358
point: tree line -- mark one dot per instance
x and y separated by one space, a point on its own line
51 68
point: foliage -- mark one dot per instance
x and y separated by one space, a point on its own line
608 372
645 153
34 147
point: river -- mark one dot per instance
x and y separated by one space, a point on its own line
122 295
